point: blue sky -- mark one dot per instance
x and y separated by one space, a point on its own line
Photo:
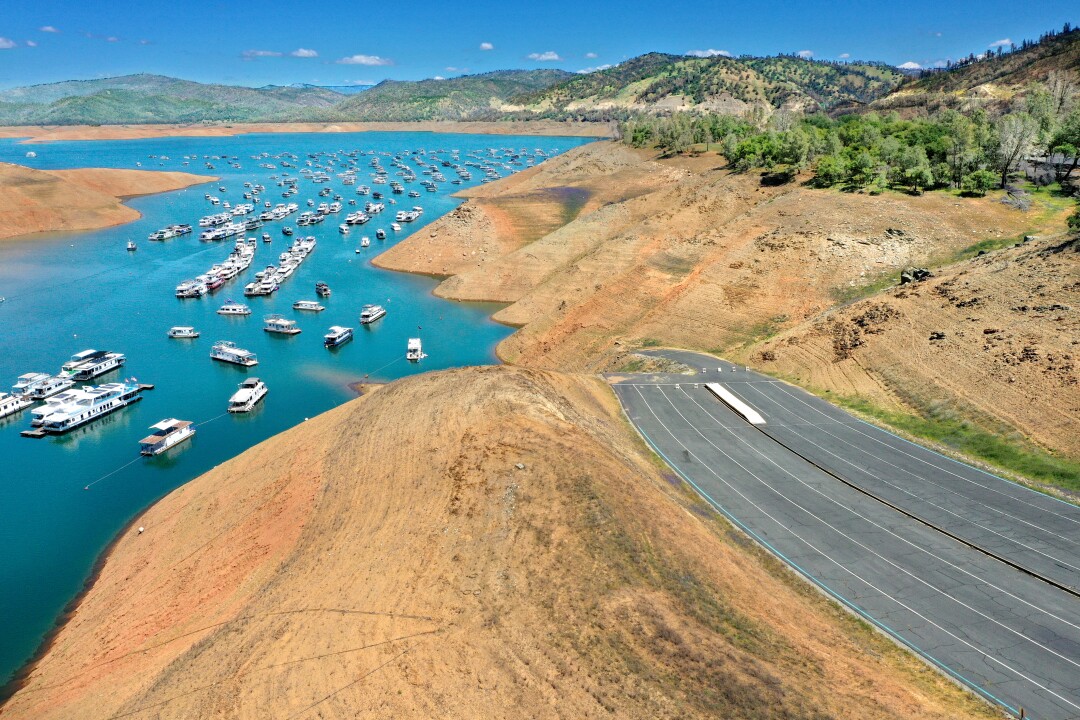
347 42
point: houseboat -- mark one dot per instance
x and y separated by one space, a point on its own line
226 351
337 336
250 393
167 433
280 324
371 313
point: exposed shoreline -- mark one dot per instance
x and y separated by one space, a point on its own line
33 202
34 134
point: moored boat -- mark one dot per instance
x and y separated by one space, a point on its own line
94 367
233 308
167 433
38 386
226 351
337 335
371 313
280 324
183 331
76 408
11 404
414 352
310 305
249 394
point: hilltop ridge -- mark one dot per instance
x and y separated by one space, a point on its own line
474 543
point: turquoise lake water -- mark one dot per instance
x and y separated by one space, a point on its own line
69 292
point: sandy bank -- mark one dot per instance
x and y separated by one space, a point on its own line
40 134
34 201
684 253
485 542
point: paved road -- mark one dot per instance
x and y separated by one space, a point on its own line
1011 636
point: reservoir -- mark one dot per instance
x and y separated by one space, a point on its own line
68 292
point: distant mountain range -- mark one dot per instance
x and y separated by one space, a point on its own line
158 99
651 83
677 82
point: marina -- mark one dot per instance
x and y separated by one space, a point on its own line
91 293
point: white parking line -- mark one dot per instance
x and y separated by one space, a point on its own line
986 656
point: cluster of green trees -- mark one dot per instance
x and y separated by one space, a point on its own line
972 151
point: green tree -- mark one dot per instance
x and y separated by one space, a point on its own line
979 182
1017 133
831 169
1073 221
916 168
862 170
1067 143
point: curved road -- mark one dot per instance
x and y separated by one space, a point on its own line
977 574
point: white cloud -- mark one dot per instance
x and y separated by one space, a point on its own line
486 46
937 34
365 60
112 38
48 28
805 54
360 82
909 65
144 41
844 56
549 56
31 43
438 77
6 44
304 53
260 53
1004 42
452 69
591 55
941 63
586 71
708 53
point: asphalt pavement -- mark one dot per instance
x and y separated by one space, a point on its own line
975 573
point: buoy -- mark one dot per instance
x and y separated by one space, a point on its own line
141 528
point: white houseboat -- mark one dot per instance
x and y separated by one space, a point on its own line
234 308
105 363
249 394
167 433
226 351
280 324
11 404
183 331
338 335
415 351
88 404
371 313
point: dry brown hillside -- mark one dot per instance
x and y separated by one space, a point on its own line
1008 350
506 548
679 252
682 252
34 201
